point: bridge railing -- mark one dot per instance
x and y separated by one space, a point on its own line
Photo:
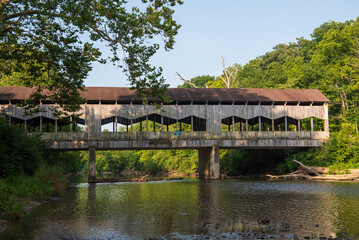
143 136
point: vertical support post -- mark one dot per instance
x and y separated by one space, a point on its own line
176 125
147 123
25 125
40 124
9 120
232 123
260 123
246 125
286 123
192 123
208 163
273 125
113 126
180 126
116 121
299 125
311 124
70 124
126 127
161 123
92 165
131 124
55 125
326 119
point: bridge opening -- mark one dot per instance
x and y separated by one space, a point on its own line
312 124
152 123
44 124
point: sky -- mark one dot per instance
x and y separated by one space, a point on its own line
236 30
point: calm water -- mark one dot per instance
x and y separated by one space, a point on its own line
181 208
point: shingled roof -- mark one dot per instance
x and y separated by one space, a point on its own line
210 95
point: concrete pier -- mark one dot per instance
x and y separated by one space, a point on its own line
208 163
92 165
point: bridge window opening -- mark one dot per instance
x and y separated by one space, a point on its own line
280 124
65 125
233 123
267 124
318 124
254 124
293 124
305 124
185 124
138 124
312 124
79 125
155 122
107 124
121 124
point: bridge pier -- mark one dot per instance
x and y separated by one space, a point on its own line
92 165
208 163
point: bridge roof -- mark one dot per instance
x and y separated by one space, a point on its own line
197 95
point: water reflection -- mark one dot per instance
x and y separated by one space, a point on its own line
143 210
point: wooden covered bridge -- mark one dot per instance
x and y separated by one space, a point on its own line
203 119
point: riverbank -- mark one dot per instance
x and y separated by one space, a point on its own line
19 194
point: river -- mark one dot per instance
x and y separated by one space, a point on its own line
181 209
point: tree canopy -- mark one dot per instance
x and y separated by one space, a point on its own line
50 44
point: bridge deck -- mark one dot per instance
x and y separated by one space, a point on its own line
195 140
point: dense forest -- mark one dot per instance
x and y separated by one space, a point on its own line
329 61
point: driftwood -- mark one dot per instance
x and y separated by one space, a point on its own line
312 173
307 169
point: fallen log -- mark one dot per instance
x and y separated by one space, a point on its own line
307 173
306 169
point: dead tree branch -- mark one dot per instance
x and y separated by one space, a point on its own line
186 81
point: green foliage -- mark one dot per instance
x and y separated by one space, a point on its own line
15 191
339 154
152 161
20 153
70 162
42 44
249 161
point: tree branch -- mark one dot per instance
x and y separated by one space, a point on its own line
30 13
186 81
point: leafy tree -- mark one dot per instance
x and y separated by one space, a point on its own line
44 43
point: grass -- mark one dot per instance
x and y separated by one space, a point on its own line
15 191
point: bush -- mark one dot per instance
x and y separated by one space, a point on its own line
20 153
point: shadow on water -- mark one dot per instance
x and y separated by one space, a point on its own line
183 208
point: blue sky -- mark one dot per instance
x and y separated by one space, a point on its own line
238 30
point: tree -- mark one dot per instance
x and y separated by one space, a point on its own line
230 74
49 40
